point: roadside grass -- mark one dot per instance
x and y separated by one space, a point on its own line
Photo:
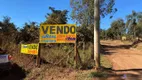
87 61
58 55
98 74
138 46
90 74
54 55
127 42
105 63
84 75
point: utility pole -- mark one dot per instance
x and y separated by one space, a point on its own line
97 33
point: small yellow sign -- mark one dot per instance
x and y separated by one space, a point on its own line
57 33
29 49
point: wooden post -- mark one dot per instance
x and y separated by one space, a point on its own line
38 56
75 55
78 57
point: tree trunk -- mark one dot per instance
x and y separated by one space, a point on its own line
97 33
134 33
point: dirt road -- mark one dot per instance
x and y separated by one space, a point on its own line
123 57
125 60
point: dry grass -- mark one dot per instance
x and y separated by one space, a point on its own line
105 62
51 55
139 46
127 42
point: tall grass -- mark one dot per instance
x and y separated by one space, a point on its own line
57 52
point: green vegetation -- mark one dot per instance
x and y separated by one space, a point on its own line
98 74
131 29
116 31
11 36
89 75
57 16
105 62
62 55
83 14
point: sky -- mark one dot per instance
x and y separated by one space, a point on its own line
22 11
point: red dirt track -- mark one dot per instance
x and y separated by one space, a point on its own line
125 60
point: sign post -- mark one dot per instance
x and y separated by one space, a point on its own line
33 49
38 56
75 55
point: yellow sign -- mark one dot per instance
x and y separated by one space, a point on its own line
61 33
29 49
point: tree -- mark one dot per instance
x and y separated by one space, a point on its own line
83 13
118 28
29 33
139 30
83 10
132 21
56 17
7 32
97 33
103 35
7 26
110 34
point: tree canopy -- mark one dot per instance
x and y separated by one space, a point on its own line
132 21
56 17
132 28
83 10
83 14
